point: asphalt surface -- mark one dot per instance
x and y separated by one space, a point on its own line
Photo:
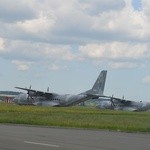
15 137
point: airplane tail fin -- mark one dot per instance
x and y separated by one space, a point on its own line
98 87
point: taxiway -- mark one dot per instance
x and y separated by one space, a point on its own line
16 137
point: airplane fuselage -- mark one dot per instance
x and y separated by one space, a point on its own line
54 100
131 106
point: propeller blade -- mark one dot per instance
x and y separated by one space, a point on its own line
112 102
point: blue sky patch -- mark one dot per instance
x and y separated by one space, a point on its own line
137 4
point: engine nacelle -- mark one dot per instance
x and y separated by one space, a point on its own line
30 93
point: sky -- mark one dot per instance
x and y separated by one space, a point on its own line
64 45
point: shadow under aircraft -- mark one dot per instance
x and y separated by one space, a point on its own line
35 97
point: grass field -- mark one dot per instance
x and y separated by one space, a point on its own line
78 117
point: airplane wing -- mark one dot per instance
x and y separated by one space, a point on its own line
32 92
94 96
122 101
119 100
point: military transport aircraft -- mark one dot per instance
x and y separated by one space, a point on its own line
122 104
34 97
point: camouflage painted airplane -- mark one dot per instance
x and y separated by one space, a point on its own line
34 97
122 104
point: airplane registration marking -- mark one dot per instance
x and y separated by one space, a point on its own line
43 144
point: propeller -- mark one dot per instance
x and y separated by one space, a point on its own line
112 102
29 96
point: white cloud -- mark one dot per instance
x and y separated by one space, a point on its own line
11 11
22 65
60 21
146 80
40 25
115 50
95 7
127 23
58 51
146 6
123 65
102 30
38 51
1 44
117 55
56 67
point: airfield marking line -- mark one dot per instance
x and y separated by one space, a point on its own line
43 144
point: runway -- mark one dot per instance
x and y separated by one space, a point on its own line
16 137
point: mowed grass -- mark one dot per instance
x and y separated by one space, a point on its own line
76 117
